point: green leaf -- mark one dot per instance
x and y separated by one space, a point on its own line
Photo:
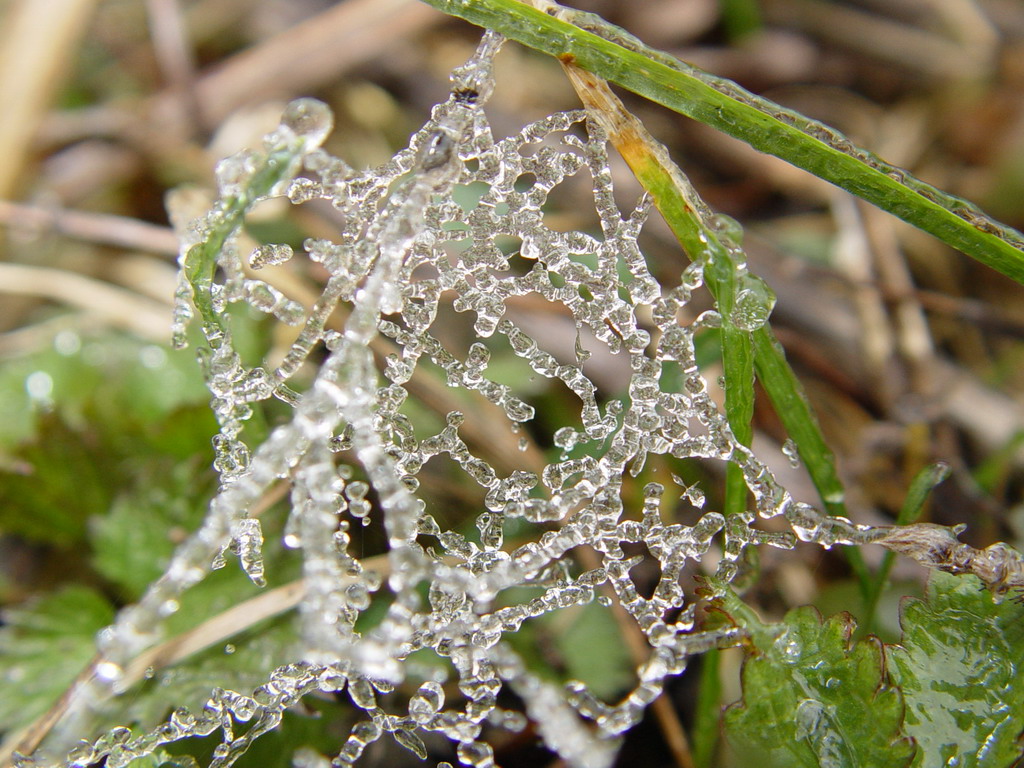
133 543
919 490
594 651
43 647
118 409
613 54
812 698
959 667
276 163
242 664
57 482
109 380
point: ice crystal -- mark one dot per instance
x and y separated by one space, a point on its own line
411 249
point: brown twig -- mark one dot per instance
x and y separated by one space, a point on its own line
120 231
129 310
38 41
174 55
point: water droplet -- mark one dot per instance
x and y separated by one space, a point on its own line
791 452
788 648
81 755
309 119
109 672
39 385
727 228
412 742
233 174
67 343
809 718
753 304
426 702
693 275
476 754
270 255
834 497
302 190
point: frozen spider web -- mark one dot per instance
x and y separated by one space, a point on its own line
412 249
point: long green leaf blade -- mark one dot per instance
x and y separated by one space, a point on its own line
614 55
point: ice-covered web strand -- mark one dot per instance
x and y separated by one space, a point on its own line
317 484
243 181
303 127
400 219
346 388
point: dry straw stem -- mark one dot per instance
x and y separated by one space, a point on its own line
125 309
971 56
175 59
37 44
306 55
103 228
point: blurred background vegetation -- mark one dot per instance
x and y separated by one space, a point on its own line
911 353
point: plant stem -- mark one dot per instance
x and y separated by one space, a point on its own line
703 238
613 54
706 720
913 507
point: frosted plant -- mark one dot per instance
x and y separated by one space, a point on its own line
409 244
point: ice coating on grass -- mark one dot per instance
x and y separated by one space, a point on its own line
411 250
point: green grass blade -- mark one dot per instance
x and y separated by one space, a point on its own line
275 165
609 52
738 367
793 409
910 512
707 718
920 488
714 240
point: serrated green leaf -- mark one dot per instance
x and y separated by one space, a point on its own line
61 478
43 646
109 380
959 667
117 408
812 698
133 543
